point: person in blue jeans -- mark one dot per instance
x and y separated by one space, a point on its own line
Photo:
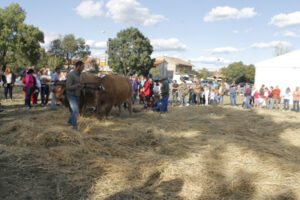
165 95
73 88
232 95
54 79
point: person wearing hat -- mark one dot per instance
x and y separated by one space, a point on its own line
29 87
54 79
165 95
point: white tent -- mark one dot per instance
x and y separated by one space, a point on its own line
283 71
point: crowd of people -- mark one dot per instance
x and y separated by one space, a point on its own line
271 98
155 94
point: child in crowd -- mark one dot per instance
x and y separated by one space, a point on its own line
212 97
216 97
256 97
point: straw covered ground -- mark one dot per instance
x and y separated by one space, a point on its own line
191 153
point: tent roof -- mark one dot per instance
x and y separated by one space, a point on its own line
289 60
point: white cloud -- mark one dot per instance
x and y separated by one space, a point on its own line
96 45
223 50
236 31
285 20
49 36
131 11
224 13
90 9
272 44
211 60
97 53
291 34
172 44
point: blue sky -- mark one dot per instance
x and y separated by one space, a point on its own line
210 33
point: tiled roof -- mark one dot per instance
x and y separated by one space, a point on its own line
177 61
157 62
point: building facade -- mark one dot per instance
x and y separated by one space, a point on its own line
169 66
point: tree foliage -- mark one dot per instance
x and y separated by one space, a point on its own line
239 72
281 49
130 53
17 39
202 74
69 48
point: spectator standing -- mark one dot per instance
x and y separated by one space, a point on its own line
276 97
271 98
147 91
45 80
184 91
256 97
175 87
8 79
134 87
233 95
296 99
262 91
151 84
247 94
54 79
266 96
252 100
36 89
198 88
221 93
286 99
29 87
206 95
165 95
212 97
73 88
192 93
156 88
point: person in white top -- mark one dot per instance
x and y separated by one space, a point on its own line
156 88
206 95
287 97
37 89
8 82
45 89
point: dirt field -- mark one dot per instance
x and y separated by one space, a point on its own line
190 153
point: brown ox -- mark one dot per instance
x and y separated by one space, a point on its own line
87 97
60 93
114 90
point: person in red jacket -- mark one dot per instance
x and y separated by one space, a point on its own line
147 91
276 97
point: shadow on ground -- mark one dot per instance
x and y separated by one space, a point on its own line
70 170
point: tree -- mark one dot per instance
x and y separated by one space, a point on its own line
130 53
18 40
69 48
239 72
281 49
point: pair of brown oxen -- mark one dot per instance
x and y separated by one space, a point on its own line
102 93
